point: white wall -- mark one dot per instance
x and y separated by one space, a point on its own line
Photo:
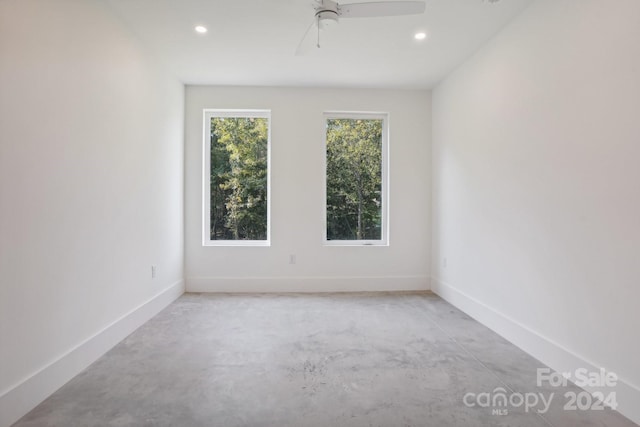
536 186
91 189
296 196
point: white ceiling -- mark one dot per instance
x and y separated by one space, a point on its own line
253 42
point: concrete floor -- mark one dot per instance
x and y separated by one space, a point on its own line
307 360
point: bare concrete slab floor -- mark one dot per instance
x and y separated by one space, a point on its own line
380 359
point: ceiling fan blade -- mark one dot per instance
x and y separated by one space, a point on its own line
308 40
381 8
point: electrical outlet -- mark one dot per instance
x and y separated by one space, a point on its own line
153 271
292 259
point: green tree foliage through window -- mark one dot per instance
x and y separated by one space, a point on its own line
238 178
354 179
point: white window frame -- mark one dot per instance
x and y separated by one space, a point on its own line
207 115
384 232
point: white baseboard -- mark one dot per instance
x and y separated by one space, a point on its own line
23 397
542 348
307 284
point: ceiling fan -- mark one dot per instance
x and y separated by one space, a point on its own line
328 12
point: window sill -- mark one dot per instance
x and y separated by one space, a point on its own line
238 243
377 243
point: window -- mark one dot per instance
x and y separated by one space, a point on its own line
356 178
236 177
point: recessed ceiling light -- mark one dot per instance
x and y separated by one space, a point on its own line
200 29
420 36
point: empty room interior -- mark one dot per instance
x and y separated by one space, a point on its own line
310 213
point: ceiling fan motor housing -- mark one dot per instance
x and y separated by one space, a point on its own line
327 13
327 17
